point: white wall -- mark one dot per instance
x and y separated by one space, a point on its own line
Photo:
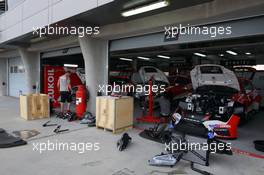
31 61
23 16
16 79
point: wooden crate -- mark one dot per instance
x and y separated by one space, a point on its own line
34 106
114 113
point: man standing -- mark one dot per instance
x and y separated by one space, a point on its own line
64 86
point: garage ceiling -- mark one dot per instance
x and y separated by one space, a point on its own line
253 45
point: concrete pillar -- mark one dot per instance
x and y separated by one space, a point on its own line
3 76
31 61
95 54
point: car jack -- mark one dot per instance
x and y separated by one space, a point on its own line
57 130
150 118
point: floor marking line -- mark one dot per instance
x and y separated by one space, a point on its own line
246 153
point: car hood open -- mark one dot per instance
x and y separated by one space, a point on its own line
221 79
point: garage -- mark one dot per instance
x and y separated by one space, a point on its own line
16 77
178 58
164 87
54 64
178 55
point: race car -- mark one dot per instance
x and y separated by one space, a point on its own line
248 97
255 77
213 90
218 98
145 73
176 87
211 102
224 130
118 79
180 86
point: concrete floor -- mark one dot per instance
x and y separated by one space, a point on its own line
108 160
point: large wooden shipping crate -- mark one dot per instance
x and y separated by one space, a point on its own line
34 106
114 113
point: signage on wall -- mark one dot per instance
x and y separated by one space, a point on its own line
238 62
170 36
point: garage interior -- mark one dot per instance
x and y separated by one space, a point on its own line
74 60
179 59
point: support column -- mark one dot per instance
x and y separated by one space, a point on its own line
3 76
95 54
31 61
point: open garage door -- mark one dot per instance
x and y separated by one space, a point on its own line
176 56
55 63
16 77
133 59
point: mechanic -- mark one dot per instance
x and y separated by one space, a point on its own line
64 86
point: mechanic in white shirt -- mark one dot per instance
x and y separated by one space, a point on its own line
64 86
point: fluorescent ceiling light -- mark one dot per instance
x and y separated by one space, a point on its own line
259 67
70 65
221 55
143 58
146 8
248 53
125 59
199 54
163 56
231 52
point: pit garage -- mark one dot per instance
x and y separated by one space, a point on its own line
54 64
188 60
